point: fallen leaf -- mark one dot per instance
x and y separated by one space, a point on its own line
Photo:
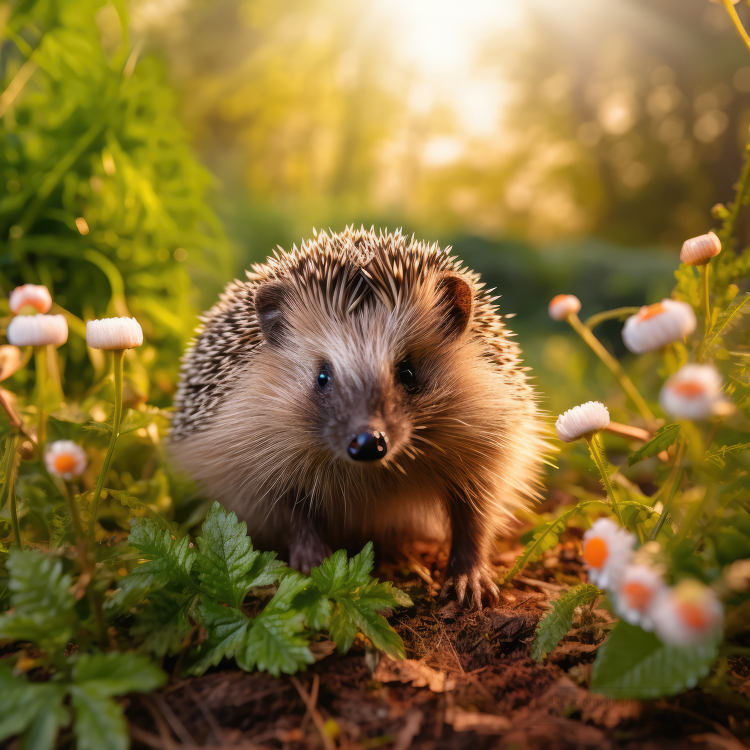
417 673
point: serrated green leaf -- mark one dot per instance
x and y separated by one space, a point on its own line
117 673
276 642
553 627
341 628
724 323
169 561
24 705
135 503
361 565
717 455
633 664
99 721
42 734
226 556
333 574
42 607
163 622
225 630
663 438
364 607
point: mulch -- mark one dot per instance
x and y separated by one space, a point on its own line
468 682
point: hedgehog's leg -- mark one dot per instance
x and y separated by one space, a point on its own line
307 549
467 564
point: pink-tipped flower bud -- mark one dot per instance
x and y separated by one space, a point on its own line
563 305
33 295
699 250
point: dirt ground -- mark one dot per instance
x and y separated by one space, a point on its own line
468 682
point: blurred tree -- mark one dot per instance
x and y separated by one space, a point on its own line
101 198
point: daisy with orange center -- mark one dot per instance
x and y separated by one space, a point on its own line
657 325
65 459
635 595
607 550
688 614
694 392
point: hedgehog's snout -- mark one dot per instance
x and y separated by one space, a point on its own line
368 445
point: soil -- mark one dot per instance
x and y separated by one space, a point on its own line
468 682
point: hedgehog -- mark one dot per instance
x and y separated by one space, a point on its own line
362 387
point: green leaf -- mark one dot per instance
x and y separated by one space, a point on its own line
724 323
33 706
662 439
633 664
170 561
553 627
363 610
117 673
717 455
225 630
42 607
227 562
135 503
277 642
163 622
345 598
99 721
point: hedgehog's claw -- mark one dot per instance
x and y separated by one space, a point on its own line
479 581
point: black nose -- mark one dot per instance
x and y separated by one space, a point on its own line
368 446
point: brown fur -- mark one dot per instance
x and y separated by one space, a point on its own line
257 434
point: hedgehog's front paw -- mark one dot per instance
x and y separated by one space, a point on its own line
478 581
307 553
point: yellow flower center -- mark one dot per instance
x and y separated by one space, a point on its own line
65 463
637 595
693 615
652 311
688 388
596 552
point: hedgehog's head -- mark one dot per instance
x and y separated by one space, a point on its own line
363 379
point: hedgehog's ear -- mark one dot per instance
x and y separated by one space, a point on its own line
457 297
269 301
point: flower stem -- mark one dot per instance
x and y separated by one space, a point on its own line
737 23
594 449
614 368
705 301
40 364
115 432
676 476
9 488
617 314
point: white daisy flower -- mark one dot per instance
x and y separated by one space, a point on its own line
582 420
635 594
693 392
688 614
563 305
657 325
10 361
607 549
699 250
38 330
34 295
65 459
114 333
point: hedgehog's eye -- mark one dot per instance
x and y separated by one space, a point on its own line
324 377
407 376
